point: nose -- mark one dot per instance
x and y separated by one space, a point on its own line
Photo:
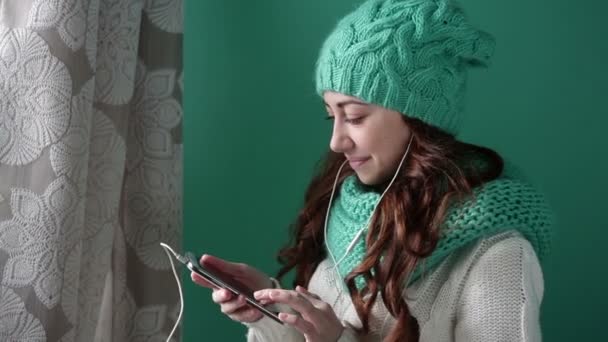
340 140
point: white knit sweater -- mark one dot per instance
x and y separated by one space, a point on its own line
490 290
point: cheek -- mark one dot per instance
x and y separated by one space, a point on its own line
384 143
391 146
372 138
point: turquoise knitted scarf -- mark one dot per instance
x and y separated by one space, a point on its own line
502 204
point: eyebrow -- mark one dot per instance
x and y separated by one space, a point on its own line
347 102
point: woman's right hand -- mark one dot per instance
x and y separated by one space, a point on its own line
234 307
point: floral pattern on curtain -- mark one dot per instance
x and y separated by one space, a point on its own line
90 168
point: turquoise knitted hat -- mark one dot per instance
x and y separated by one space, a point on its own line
411 56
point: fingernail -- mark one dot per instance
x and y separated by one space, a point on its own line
257 294
286 318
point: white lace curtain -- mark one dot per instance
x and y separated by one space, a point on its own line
90 168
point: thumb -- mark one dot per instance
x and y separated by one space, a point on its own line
201 281
218 264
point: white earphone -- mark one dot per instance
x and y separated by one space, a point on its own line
351 245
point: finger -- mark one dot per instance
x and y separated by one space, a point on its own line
246 314
316 301
298 322
311 296
262 294
302 289
201 281
222 296
233 306
220 264
262 297
292 298
265 302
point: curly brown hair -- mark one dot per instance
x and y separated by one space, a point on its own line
439 171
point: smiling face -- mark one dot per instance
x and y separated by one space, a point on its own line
371 137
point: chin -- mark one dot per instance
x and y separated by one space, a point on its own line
367 179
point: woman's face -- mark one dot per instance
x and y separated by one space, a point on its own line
371 137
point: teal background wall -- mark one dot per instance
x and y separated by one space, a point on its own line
254 128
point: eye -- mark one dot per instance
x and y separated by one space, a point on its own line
355 121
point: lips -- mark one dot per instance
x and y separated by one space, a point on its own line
356 162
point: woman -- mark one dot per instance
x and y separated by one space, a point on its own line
406 234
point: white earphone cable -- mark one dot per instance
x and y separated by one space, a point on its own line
331 197
179 287
351 245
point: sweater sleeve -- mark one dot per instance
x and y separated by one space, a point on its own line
348 335
267 330
502 295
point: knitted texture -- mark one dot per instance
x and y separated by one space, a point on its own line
489 290
499 205
407 55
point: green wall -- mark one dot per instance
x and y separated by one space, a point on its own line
254 128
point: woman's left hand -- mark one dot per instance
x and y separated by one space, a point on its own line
317 320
